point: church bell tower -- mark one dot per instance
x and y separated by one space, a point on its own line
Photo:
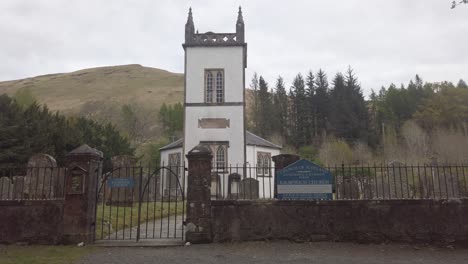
214 92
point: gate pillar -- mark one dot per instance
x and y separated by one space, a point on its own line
79 211
198 220
281 161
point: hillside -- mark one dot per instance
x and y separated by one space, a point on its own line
134 84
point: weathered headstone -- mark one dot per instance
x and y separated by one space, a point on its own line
216 185
42 177
445 183
347 187
233 185
399 180
6 188
249 189
18 187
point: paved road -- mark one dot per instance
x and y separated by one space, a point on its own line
280 252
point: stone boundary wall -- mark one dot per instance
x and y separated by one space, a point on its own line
30 221
368 221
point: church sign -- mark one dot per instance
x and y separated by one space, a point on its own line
120 183
304 180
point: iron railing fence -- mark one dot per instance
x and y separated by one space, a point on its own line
242 182
400 181
353 182
32 183
140 202
363 182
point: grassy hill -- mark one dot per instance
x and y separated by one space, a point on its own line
133 84
100 93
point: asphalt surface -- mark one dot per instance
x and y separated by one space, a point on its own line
281 252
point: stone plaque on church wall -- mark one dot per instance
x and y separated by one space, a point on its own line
213 123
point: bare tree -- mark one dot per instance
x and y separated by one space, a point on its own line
455 3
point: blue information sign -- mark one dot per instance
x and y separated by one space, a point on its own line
120 183
304 180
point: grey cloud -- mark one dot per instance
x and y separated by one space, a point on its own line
384 41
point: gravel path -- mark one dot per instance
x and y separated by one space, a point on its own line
168 227
280 252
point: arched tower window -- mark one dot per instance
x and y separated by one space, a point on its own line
214 86
209 87
219 87
221 158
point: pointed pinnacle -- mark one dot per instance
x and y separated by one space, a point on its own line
240 19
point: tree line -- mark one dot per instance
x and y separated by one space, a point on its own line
27 128
311 109
315 111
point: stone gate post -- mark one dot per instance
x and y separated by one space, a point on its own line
199 195
81 180
281 161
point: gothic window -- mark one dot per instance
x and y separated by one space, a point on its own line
219 87
263 164
221 158
174 170
214 86
266 165
209 87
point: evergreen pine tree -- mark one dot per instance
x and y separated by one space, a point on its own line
321 101
462 84
254 107
280 108
264 114
300 101
349 112
311 106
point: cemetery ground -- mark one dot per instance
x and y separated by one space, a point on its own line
120 217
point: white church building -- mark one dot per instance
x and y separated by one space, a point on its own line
214 111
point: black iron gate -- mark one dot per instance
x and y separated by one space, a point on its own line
135 203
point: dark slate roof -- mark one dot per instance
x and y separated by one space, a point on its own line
251 139
255 140
176 144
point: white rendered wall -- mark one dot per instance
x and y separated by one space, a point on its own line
266 184
234 134
165 162
230 59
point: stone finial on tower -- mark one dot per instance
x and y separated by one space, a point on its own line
189 27
240 26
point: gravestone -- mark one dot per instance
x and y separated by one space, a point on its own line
126 176
304 180
6 188
348 188
215 187
18 187
445 182
42 177
233 185
399 180
249 189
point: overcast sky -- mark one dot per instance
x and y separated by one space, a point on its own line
384 41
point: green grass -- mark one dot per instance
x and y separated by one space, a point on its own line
41 254
122 217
